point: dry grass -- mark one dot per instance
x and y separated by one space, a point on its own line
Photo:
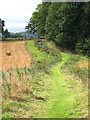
82 64
14 86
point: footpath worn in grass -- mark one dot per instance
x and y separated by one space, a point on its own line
67 96
51 90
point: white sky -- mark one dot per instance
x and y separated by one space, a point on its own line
17 13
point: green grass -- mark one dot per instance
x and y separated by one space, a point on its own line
65 92
36 54
71 67
63 103
57 93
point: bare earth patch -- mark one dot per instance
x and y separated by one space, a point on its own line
13 54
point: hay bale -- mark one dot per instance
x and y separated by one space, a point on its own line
8 53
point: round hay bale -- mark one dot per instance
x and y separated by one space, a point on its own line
8 53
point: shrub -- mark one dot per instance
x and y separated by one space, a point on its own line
43 46
83 46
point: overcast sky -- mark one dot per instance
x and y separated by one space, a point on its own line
17 13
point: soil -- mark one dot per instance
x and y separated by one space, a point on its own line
18 55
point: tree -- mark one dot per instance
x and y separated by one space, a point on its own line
70 24
32 24
18 35
3 24
51 26
67 24
38 20
6 34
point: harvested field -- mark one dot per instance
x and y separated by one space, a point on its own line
13 54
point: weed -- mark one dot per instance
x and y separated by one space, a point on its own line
4 75
18 72
41 85
7 116
8 87
71 66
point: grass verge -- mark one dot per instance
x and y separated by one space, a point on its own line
54 92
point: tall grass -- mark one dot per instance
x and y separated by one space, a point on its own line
44 54
72 67
24 83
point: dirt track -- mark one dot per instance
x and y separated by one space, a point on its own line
19 55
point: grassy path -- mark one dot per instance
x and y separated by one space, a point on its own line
60 104
47 89
65 94
67 97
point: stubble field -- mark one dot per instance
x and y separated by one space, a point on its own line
14 54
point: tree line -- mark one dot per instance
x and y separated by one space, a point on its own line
67 24
7 34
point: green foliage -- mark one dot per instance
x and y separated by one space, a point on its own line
18 72
32 24
83 46
52 21
44 46
38 20
7 116
6 34
51 93
18 35
46 55
71 66
7 87
67 24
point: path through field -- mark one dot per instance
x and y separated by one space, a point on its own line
66 96
19 55
51 94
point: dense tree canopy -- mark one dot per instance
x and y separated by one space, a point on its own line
67 24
